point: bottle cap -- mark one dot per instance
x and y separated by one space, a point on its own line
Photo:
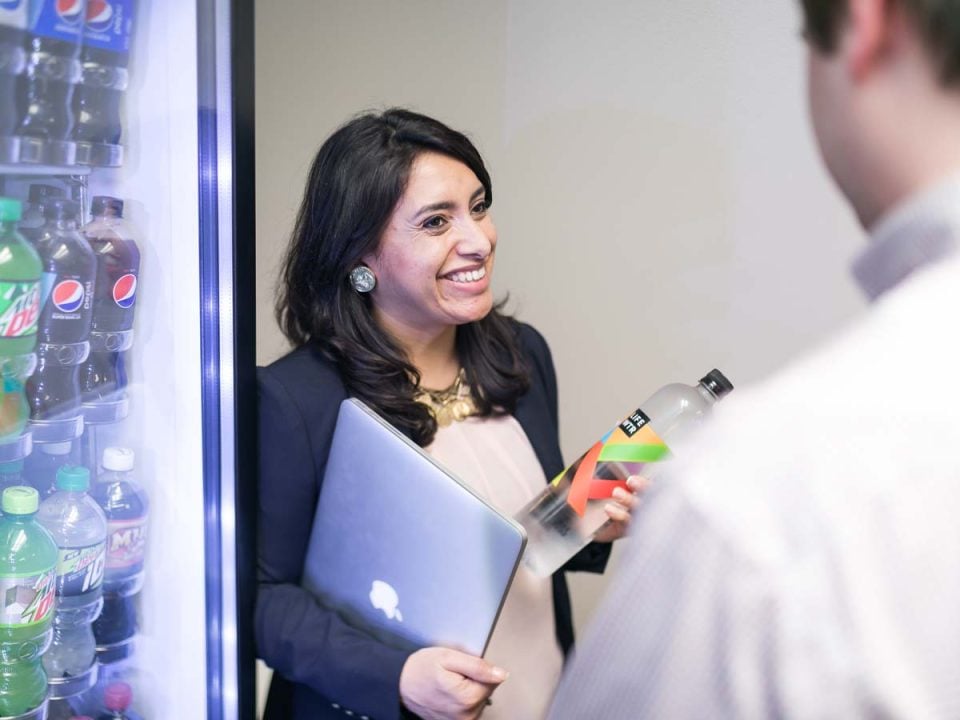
106 205
73 478
717 383
20 500
118 459
10 209
40 193
117 696
61 208
60 448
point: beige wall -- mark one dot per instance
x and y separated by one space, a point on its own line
660 204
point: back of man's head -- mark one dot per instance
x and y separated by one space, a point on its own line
938 23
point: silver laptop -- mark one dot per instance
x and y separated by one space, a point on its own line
401 548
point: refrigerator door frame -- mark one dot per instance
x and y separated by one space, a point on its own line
227 312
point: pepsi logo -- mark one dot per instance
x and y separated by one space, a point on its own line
99 15
10 4
68 296
70 11
125 290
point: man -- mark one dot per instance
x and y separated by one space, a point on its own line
807 563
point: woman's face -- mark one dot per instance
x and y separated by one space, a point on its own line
435 258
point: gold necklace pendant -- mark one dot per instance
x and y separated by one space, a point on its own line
451 405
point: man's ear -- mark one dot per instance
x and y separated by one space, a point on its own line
868 35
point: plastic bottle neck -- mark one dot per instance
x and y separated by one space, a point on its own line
706 394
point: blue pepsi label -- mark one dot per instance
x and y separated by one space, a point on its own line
109 25
80 569
58 19
13 13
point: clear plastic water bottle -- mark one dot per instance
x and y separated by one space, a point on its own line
79 528
28 560
562 519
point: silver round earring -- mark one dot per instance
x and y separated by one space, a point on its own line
362 279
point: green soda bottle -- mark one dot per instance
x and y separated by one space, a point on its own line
28 561
20 271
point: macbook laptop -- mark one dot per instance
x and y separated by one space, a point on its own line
401 548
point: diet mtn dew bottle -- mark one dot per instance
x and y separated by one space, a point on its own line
79 528
19 313
28 561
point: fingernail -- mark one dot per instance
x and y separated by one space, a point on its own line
500 674
620 494
633 482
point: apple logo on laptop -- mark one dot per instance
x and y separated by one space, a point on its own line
384 597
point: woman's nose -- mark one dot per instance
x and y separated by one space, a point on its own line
476 238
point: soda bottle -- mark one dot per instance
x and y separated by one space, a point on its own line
79 527
33 219
19 315
41 466
562 519
64 329
117 698
53 69
126 506
13 60
118 266
105 55
28 559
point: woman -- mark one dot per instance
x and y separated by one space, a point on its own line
386 296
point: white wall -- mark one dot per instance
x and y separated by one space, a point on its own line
660 204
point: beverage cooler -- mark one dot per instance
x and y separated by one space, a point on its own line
126 349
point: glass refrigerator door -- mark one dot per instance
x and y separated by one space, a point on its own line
137 345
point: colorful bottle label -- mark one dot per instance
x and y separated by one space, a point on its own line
27 600
19 308
80 569
126 542
624 451
109 24
125 291
13 13
58 19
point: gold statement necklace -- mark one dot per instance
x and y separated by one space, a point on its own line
450 405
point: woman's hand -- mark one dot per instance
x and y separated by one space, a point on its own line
442 684
619 512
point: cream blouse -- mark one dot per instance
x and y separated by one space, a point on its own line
494 457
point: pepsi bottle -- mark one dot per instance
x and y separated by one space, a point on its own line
53 69
33 220
13 61
103 376
105 55
69 266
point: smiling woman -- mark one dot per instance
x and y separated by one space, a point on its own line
386 295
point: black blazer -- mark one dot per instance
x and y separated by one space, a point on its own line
323 667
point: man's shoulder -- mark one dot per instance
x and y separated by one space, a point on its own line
843 430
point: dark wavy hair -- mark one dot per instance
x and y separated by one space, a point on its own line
355 182
937 20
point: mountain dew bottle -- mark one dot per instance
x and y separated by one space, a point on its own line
19 314
28 560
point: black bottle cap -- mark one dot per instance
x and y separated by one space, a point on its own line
106 205
61 209
717 383
40 192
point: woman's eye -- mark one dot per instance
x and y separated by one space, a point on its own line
480 208
434 223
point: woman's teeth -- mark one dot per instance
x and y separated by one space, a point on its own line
471 276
